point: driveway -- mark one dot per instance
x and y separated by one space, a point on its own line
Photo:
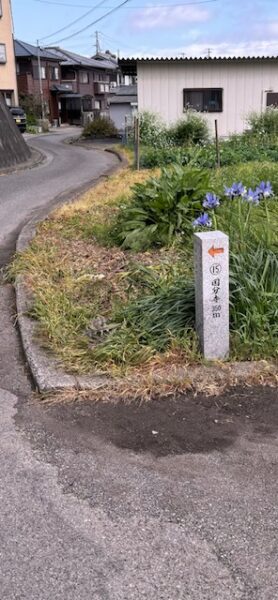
172 500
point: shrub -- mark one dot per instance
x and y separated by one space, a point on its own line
265 122
192 129
237 149
162 208
100 127
153 132
151 157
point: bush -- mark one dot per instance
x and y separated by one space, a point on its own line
264 123
151 157
192 129
162 208
153 132
237 149
100 127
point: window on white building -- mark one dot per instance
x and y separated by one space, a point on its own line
203 99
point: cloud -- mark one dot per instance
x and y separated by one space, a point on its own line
169 16
225 49
272 28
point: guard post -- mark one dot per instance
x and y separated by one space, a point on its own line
211 258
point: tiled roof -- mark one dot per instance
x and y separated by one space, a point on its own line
68 58
22 49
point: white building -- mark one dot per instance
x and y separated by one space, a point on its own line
226 89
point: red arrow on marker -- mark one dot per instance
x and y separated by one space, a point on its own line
214 251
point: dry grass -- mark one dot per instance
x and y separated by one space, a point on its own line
152 382
74 279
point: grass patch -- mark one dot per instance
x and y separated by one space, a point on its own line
99 306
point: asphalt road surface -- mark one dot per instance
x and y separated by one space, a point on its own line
175 500
24 193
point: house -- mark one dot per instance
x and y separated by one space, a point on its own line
27 68
74 87
8 83
226 89
123 105
88 86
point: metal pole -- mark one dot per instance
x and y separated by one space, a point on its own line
137 143
40 80
217 144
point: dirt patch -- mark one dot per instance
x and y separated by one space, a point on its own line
186 424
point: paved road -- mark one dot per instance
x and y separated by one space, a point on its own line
25 192
88 512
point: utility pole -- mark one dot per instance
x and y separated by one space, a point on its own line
209 53
97 43
40 80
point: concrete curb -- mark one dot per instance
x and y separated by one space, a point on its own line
37 158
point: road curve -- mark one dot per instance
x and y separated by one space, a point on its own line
67 168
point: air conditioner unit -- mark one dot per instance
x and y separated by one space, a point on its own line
88 117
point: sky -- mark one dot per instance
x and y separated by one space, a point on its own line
152 27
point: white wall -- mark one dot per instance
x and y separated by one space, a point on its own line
161 84
118 114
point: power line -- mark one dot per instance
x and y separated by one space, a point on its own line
129 7
118 42
93 23
75 21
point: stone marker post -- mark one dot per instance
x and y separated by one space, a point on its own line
211 257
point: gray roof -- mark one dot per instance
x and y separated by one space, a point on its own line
107 57
125 90
123 100
128 66
71 59
22 50
195 59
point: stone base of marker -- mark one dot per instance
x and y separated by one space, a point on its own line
211 257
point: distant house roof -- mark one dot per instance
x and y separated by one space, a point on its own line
71 59
23 50
123 100
128 66
124 94
125 90
106 57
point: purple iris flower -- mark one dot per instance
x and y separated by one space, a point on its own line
211 201
202 221
252 196
264 189
237 189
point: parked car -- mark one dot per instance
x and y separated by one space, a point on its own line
19 117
